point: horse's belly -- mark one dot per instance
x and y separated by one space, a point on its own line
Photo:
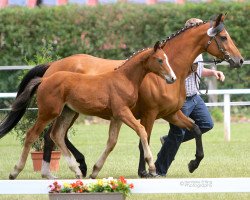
89 103
93 107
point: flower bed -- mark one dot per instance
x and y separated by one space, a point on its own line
111 189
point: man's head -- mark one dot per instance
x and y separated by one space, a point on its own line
193 21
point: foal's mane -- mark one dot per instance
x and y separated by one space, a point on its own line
182 30
132 56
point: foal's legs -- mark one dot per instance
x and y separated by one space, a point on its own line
129 119
30 138
48 146
114 129
180 120
147 120
59 130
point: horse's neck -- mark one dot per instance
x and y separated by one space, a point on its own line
135 68
184 48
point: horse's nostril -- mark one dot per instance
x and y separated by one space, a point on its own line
241 61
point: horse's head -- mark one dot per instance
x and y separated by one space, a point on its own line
158 63
221 45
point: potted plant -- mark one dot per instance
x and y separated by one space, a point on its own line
45 55
102 189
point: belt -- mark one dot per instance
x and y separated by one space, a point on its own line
190 97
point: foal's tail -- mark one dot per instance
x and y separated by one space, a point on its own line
26 90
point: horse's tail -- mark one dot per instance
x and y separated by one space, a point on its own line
37 71
26 90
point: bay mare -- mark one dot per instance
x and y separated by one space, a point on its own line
156 99
110 96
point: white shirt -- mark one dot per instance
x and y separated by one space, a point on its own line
191 86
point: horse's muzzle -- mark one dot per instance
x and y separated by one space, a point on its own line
170 79
236 62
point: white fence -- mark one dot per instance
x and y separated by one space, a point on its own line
226 103
141 186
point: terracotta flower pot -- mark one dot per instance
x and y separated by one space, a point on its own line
86 196
37 157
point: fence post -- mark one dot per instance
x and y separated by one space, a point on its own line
227 117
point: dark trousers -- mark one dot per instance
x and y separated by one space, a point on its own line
195 108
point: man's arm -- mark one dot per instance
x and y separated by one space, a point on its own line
211 72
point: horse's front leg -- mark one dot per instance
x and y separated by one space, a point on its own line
128 118
147 120
182 121
114 129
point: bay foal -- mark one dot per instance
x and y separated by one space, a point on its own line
110 96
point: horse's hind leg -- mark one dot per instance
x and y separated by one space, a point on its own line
182 121
58 132
114 129
48 146
76 153
31 137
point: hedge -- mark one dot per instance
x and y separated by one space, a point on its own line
109 31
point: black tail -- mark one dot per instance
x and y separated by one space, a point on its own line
26 90
37 71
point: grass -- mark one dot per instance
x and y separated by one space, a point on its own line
222 159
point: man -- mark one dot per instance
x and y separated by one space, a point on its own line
194 107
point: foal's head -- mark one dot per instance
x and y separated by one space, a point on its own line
221 45
158 63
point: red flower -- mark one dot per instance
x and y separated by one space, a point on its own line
123 180
131 185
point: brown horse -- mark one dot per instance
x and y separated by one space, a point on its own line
165 102
110 96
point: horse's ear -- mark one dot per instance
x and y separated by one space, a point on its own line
223 17
218 20
157 46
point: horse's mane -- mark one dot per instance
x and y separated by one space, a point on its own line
182 30
163 42
132 56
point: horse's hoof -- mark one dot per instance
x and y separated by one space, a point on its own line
92 177
78 176
49 176
84 174
192 166
143 174
84 171
11 177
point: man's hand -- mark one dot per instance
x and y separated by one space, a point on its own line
219 75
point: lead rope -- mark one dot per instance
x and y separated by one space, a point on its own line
200 80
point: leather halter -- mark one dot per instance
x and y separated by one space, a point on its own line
212 33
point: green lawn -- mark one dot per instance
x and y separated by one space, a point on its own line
222 159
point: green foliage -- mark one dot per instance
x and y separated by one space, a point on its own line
44 55
109 31
217 114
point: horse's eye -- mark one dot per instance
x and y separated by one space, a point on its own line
223 38
160 60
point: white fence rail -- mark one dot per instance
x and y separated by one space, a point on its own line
227 106
141 186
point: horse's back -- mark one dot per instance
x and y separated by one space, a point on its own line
83 63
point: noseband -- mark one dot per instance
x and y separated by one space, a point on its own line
212 33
